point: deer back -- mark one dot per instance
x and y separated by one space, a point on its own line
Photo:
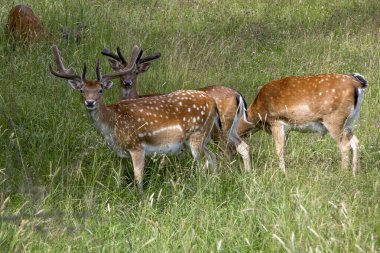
302 99
169 118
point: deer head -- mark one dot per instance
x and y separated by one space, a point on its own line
129 81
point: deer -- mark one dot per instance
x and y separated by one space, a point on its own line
324 103
23 25
140 127
128 83
230 103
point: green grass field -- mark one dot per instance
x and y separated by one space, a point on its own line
62 189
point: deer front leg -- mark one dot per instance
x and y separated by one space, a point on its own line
138 159
278 133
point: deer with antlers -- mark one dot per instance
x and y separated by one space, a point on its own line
140 127
231 105
23 25
320 103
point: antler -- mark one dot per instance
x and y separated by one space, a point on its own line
120 58
62 71
136 54
113 75
108 52
150 57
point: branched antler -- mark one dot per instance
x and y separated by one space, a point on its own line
62 71
120 58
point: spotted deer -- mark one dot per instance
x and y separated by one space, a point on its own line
231 105
144 126
319 103
23 25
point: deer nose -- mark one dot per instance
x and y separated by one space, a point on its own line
90 103
127 83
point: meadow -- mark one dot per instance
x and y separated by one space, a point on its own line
63 190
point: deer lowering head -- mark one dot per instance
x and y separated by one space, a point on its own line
129 81
140 127
230 103
321 103
23 25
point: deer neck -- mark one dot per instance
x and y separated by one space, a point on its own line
102 118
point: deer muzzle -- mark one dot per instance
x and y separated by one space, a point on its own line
90 104
127 83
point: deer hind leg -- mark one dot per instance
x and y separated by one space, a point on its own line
195 147
342 140
278 133
220 139
199 149
355 154
354 143
138 159
211 158
242 148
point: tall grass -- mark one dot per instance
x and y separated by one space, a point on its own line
62 189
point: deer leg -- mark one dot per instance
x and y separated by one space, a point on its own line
355 154
344 146
138 166
211 159
354 143
220 139
278 133
242 148
342 139
197 146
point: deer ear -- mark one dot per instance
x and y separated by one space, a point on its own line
106 84
75 84
143 67
115 65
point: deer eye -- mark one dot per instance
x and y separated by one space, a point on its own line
101 91
81 90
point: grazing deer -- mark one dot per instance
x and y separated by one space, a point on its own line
321 103
230 103
23 25
140 127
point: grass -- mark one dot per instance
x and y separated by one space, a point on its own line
62 189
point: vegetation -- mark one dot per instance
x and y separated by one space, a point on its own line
62 189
